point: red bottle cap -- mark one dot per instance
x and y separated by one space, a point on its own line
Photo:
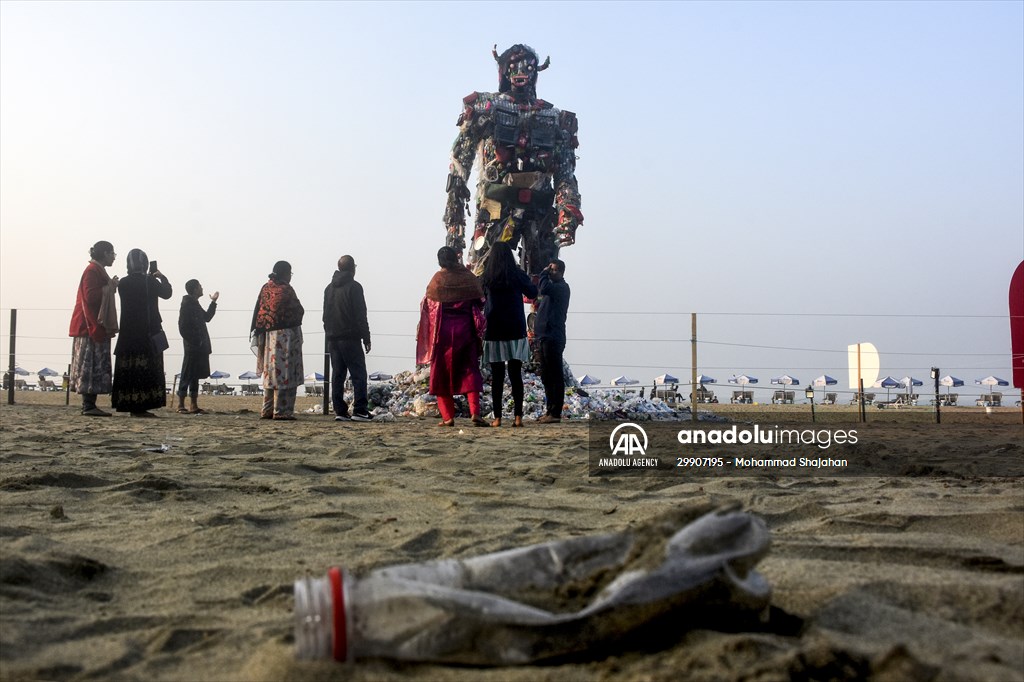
339 644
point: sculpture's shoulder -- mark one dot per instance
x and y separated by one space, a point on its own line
477 104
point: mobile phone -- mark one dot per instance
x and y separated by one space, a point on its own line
152 266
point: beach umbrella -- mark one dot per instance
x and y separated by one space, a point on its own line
380 376
587 380
991 381
825 380
217 374
743 380
21 372
47 372
705 379
249 375
314 376
908 382
624 381
888 383
950 380
666 379
785 380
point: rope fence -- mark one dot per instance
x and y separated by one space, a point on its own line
640 344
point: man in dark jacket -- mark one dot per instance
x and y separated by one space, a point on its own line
346 326
549 327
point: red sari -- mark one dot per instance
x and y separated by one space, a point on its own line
449 335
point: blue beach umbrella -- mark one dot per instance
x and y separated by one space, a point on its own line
47 372
991 381
314 376
909 382
888 383
950 380
217 374
249 375
825 380
587 380
666 379
705 379
785 380
624 381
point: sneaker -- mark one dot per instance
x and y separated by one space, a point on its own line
343 418
361 417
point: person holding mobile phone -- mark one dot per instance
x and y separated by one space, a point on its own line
195 337
552 310
139 380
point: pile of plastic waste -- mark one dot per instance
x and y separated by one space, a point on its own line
406 395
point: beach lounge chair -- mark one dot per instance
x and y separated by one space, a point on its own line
744 397
990 400
778 397
829 399
705 396
206 388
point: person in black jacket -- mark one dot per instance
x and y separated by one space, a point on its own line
549 327
346 326
139 382
505 285
192 321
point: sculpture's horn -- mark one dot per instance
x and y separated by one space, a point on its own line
494 51
546 64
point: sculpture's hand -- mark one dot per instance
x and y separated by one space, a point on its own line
455 238
569 220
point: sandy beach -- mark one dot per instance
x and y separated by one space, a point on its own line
166 549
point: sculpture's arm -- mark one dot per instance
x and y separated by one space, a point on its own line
567 193
463 151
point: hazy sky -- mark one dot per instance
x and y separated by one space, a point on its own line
803 175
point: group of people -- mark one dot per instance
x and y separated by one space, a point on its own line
136 381
463 319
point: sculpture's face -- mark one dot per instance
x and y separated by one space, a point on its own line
522 71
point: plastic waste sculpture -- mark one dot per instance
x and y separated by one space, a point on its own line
527 192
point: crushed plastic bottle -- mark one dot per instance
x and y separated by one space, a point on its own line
524 605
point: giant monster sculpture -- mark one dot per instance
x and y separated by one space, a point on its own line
526 193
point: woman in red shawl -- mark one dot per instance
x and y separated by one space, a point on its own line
449 336
93 325
276 333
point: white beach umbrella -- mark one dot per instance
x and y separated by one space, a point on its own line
587 380
950 380
705 379
991 381
785 380
666 379
624 381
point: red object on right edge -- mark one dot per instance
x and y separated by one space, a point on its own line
1017 325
